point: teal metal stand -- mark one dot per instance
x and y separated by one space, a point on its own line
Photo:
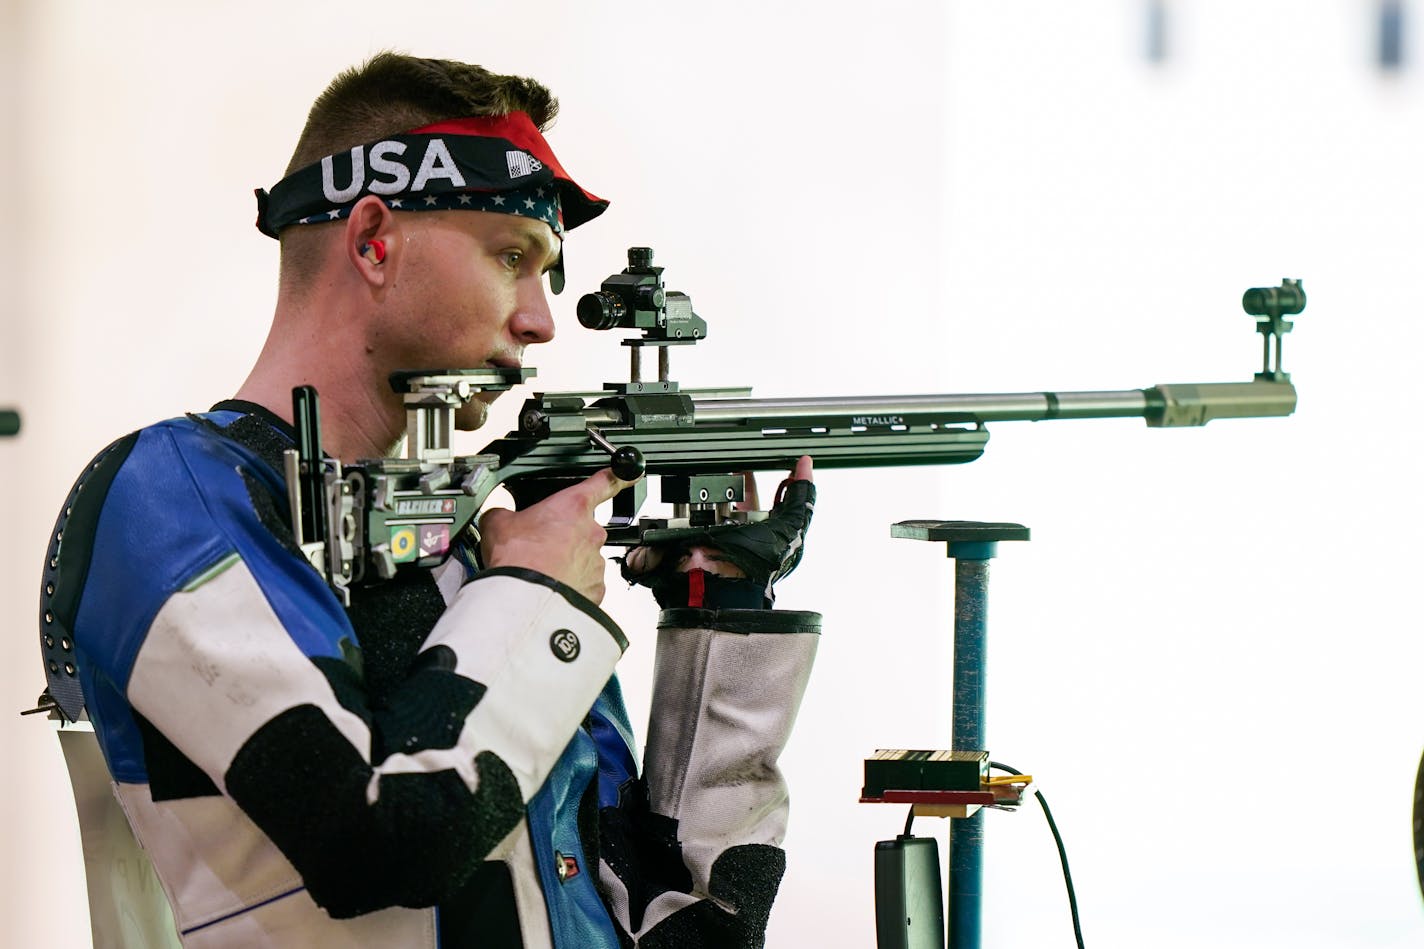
972 544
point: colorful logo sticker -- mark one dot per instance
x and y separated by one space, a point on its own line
403 549
434 539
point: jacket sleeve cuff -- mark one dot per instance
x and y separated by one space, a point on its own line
740 621
519 634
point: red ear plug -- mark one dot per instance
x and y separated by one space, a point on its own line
375 251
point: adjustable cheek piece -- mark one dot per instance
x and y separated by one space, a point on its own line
374 251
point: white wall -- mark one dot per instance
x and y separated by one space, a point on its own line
1208 654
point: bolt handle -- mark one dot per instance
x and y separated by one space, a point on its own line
628 462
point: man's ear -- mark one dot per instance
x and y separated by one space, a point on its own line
372 244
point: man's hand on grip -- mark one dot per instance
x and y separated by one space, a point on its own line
557 537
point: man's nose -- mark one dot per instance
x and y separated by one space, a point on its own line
533 322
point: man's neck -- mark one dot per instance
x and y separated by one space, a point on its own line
360 416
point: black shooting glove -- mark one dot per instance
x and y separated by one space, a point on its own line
765 551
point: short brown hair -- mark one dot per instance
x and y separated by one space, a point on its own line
392 93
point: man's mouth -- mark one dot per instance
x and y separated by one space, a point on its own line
504 362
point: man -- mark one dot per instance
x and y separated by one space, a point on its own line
421 768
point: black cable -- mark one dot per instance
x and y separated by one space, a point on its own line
1062 853
1418 813
909 819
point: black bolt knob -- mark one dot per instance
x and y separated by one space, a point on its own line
640 258
628 463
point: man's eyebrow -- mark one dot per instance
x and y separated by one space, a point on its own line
538 238
554 260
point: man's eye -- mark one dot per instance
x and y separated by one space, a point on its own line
512 258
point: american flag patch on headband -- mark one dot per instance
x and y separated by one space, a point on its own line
521 164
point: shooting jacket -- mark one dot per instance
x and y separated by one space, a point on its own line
447 762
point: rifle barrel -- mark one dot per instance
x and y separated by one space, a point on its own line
988 407
1168 405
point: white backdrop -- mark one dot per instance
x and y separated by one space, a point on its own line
1208 654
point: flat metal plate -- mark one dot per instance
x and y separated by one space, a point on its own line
954 531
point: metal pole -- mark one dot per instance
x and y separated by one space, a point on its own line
966 834
972 544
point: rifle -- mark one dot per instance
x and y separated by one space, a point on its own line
364 522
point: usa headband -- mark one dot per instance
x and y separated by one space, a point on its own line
494 163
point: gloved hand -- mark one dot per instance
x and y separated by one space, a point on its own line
728 566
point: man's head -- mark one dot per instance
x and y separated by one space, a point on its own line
442 166
390 94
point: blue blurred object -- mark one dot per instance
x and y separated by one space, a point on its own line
1391 34
1156 22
